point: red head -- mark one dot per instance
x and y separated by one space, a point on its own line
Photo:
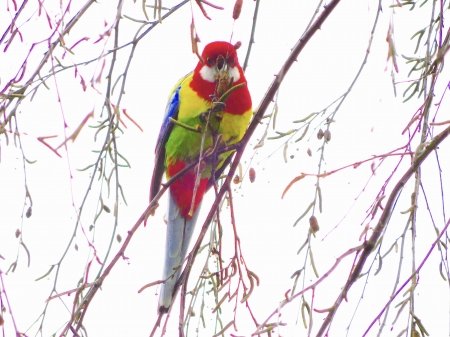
217 57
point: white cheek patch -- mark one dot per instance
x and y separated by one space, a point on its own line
234 72
209 74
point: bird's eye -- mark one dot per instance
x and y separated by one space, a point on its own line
210 61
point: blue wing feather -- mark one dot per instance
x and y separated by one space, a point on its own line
160 151
171 111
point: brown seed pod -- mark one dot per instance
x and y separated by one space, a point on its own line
309 152
223 84
320 134
327 135
29 212
18 232
413 198
236 179
252 174
119 238
372 167
313 224
237 9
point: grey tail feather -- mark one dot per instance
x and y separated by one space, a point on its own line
178 236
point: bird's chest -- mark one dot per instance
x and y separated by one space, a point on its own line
202 133
200 128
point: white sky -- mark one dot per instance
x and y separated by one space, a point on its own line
370 122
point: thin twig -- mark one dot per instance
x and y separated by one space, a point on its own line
379 228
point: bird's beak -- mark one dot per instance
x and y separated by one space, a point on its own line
221 67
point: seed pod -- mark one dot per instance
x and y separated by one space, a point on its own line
372 167
320 134
29 212
223 84
106 209
18 232
236 179
237 9
327 135
313 224
91 227
76 247
413 198
119 238
1 320
309 152
252 175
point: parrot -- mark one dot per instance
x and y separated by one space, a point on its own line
195 123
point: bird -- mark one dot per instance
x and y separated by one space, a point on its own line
195 123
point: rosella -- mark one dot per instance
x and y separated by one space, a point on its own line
195 123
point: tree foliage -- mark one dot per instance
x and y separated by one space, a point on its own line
77 80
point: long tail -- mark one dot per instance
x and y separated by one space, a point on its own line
179 233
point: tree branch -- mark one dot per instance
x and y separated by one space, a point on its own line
382 223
